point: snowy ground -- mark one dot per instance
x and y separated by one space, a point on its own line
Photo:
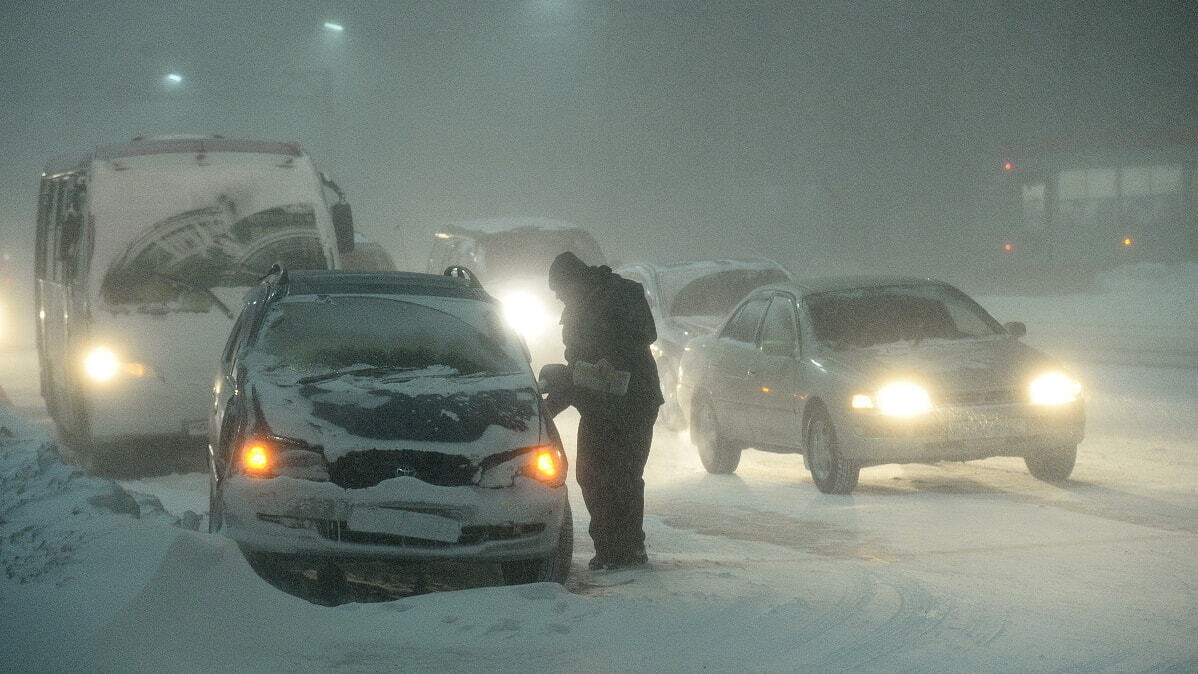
930 567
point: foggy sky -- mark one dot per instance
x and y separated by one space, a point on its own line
670 129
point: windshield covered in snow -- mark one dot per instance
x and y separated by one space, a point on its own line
716 294
176 260
883 315
330 335
529 252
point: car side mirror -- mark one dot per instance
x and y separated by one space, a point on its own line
554 377
343 225
1016 329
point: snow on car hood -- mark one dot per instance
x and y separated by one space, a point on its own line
433 409
957 365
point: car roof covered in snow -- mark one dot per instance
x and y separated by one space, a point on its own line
489 226
674 276
825 284
342 282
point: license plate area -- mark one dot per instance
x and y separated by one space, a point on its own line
408 523
986 427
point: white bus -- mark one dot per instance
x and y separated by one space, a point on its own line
144 252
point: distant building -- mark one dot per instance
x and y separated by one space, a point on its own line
1097 202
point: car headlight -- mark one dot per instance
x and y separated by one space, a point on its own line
1054 388
544 463
101 364
526 313
901 398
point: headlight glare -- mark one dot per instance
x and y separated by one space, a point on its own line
526 313
1054 388
903 399
101 364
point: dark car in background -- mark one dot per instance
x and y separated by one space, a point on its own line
384 416
855 372
512 257
689 299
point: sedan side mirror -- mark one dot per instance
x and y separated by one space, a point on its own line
555 377
1016 329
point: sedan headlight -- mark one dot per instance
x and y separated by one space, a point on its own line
1054 388
900 398
543 463
526 313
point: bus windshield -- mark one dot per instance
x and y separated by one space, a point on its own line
173 264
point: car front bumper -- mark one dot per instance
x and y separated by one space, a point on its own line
960 434
401 519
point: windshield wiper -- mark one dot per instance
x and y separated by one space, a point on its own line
187 285
350 370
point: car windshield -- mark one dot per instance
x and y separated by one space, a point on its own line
528 253
177 259
716 294
319 335
884 315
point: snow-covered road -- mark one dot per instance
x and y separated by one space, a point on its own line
962 567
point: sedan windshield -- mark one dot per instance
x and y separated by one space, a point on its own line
382 336
884 315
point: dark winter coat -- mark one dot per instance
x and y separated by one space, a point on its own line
607 317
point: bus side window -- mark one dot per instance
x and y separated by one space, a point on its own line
51 266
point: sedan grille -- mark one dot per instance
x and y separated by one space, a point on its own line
974 398
358 470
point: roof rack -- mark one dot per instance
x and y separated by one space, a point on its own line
460 272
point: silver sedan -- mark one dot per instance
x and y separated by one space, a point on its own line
860 371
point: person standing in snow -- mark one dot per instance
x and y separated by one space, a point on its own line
607 330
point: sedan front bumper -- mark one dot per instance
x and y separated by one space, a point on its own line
960 434
401 518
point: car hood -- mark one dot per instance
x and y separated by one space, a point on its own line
948 365
433 410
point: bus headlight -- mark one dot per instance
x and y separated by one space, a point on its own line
101 364
1054 388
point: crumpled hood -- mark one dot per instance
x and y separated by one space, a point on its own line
950 365
471 416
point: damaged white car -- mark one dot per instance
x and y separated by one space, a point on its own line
385 416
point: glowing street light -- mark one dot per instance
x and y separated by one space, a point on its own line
334 26
174 78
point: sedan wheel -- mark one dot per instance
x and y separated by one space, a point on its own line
715 452
553 569
1052 464
832 473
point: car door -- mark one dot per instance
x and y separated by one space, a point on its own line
774 376
730 368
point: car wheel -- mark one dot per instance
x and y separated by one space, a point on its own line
670 415
552 569
715 451
832 473
1052 464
